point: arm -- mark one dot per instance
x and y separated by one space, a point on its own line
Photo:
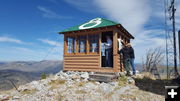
120 52
109 43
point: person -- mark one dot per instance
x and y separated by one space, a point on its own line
126 57
132 57
108 51
120 44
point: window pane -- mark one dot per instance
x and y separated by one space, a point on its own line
82 44
71 45
94 43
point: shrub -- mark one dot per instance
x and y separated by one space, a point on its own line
43 76
122 81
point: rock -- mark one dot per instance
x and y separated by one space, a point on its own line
62 74
89 85
131 80
75 77
50 93
123 89
122 73
97 82
36 85
113 83
16 97
24 88
77 80
91 73
4 97
85 75
106 88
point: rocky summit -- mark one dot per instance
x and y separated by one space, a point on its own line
76 86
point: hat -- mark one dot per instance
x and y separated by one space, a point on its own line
128 44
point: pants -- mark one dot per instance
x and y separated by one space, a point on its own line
127 65
133 65
109 57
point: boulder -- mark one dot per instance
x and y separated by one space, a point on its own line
4 97
16 97
106 88
85 75
131 80
113 83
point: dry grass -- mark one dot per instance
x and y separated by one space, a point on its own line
109 95
81 84
56 83
128 96
59 97
148 75
80 92
28 91
122 81
94 82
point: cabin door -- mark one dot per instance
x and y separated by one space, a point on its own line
107 49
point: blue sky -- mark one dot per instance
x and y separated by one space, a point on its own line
28 28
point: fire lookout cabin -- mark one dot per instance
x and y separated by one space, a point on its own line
84 48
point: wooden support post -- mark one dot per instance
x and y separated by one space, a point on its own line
100 62
77 47
65 49
87 44
115 49
65 44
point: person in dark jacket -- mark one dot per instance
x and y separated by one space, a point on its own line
126 58
132 57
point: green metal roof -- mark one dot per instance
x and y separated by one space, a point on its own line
94 23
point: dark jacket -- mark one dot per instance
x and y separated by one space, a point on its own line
125 52
131 52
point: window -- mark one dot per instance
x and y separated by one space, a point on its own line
82 44
71 43
93 43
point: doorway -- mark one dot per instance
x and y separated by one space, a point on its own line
107 49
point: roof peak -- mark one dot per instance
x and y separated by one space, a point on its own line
93 23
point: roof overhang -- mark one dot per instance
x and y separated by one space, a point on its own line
119 26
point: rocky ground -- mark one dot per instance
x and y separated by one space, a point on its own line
75 86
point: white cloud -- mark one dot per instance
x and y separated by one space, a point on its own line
132 14
50 42
29 54
47 13
9 39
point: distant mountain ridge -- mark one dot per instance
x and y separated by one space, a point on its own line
33 66
21 72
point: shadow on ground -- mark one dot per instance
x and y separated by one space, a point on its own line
154 86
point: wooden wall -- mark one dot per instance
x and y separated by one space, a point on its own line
81 61
84 63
